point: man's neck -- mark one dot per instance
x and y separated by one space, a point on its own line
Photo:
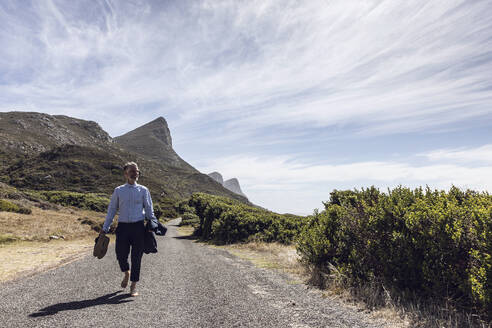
131 182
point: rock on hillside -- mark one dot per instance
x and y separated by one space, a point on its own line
153 141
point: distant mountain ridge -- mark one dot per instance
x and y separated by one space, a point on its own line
231 184
217 177
56 152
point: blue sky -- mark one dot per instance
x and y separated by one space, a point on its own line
294 98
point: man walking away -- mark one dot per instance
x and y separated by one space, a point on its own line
131 199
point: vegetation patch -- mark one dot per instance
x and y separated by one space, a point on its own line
185 231
224 221
86 201
433 244
8 206
5 239
9 192
166 208
190 219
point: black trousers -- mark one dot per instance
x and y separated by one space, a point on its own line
130 235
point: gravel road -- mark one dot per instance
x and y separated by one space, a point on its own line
185 284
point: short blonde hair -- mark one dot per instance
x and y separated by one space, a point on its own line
129 164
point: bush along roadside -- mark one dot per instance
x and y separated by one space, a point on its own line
187 214
430 243
189 218
223 221
165 208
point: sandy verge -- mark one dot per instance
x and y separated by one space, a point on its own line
44 239
25 258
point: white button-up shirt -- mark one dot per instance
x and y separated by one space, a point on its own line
131 201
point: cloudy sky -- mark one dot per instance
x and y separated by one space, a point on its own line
294 98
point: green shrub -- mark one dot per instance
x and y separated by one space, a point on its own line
224 220
189 218
167 208
434 243
87 201
8 206
9 192
157 211
183 207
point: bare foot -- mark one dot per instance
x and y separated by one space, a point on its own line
133 289
124 282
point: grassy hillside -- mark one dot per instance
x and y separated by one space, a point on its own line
86 169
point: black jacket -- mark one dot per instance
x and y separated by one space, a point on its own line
150 244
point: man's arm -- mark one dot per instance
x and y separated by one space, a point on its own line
112 209
149 210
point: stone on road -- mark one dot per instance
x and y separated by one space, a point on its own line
185 284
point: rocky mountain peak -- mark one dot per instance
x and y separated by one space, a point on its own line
157 129
231 184
153 140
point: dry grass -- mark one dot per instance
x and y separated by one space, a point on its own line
270 255
401 310
29 257
25 239
42 224
185 231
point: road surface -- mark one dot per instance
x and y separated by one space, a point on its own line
185 284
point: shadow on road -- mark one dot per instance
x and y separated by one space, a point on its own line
185 237
111 298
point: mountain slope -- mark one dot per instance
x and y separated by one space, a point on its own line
40 151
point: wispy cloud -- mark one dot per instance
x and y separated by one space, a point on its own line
381 66
267 76
269 179
478 155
